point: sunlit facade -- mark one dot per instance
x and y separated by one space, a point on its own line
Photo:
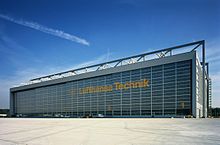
168 86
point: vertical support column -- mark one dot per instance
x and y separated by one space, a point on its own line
130 91
104 97
203 79
77 95
97 100
163 89
121 96
207 89
12 104
175 89
90 99
194 95
140 93
83 98
151 92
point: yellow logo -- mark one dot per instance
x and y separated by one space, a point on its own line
116 86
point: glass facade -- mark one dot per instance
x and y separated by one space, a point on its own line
168 93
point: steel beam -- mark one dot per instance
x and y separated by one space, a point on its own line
120 60
203 79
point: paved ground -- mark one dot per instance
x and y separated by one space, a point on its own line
108 131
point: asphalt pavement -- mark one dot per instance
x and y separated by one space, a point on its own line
105 131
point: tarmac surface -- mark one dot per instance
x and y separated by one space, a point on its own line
103 131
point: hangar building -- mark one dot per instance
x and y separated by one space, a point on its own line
170 82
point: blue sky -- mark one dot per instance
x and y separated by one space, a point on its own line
41 37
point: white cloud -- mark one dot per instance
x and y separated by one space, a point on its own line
212 50
22 76
47 30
